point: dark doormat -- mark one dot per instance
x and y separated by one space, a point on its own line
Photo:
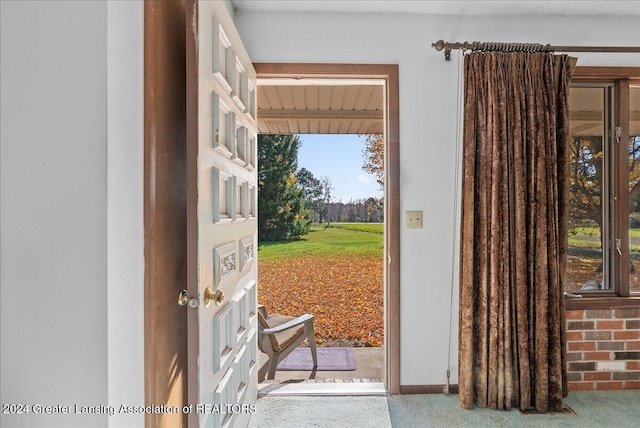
329 359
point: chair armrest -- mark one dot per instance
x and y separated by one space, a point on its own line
262 310
294 322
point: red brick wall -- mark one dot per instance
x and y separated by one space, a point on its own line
603 349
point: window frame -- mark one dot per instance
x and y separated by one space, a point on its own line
622 79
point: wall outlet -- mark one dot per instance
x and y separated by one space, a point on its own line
413 219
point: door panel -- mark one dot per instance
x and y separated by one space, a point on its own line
222 221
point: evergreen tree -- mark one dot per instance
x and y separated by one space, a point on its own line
280 199
312 190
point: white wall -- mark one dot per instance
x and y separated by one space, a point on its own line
427 133
125 211
54 209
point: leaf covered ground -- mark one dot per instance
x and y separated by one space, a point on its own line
343 288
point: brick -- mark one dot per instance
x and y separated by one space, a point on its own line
632 385
582 325
598 356
626 335
597 335
612 346
614 366
576 335
582 367
575 315
581 386
633 346
633 365
626 376
627 313
601 313
627 355
597 376
632 324
575 376
609 385
609 325
574 356
581 346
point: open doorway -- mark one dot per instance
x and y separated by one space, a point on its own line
341 100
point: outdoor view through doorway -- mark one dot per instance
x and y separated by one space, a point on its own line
324 190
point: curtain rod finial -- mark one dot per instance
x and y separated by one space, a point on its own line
440 45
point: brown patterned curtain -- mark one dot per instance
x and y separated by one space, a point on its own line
514 231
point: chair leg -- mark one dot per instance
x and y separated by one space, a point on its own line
312 343
273 365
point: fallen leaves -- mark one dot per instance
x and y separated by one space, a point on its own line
345 295
580 270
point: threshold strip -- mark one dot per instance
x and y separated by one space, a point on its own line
321 389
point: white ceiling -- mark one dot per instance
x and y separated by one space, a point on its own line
476 7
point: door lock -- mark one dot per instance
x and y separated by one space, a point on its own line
183 300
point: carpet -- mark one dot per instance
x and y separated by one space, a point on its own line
329 359
594 409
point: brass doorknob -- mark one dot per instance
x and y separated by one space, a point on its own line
216 297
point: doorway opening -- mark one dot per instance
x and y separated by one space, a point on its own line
342 100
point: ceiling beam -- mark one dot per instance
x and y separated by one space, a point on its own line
597 115
286 114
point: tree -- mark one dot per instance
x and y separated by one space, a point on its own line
585 181
374 156
585 158
313 192
327 188
280 199
373 208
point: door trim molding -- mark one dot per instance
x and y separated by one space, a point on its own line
165 323
388 72
193 344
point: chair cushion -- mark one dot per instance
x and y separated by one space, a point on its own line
280 341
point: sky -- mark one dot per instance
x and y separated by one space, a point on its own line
340 158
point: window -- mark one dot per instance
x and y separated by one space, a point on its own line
604 181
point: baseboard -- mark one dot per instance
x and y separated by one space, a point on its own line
427 389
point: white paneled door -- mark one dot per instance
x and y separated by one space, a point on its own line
221 296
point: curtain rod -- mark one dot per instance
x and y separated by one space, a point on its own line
525 47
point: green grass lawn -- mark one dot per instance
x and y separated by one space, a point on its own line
361 227
341 239
589 238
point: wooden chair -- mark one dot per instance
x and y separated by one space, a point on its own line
278 335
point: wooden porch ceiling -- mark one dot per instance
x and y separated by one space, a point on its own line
586 111
320 107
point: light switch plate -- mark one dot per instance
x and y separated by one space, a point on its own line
413 219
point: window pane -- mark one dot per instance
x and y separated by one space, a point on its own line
587 169
634 187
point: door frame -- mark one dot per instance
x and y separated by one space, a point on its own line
165 215
388 72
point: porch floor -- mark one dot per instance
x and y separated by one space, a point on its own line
369 368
